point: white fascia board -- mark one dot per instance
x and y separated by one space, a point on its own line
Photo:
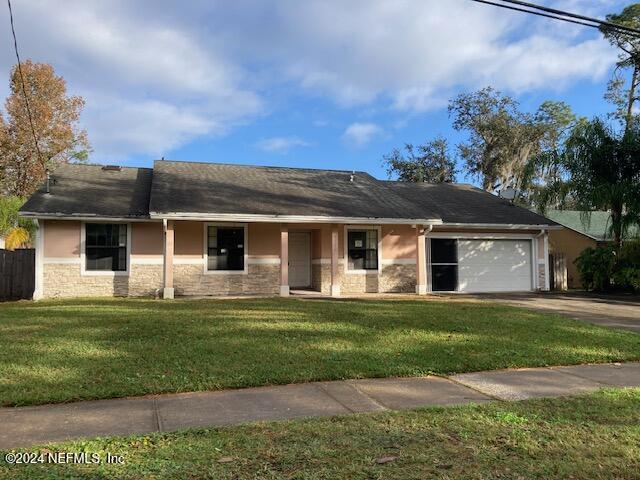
83 217
506 226
244 217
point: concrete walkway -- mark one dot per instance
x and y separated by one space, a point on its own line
24 426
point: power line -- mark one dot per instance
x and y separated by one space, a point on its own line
24 90
561 15
555 17
604 23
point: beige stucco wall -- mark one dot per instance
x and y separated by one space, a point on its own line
397 270
61 239
571 243
264 240
189 239
398 242
146 239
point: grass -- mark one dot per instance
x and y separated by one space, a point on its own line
59 351
595 436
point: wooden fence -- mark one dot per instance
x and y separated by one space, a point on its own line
558 271
17 274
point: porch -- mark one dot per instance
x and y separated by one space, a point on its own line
270 258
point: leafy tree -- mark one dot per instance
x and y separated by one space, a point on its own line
55 119
16 230
430 162
598 168
621 91
502 139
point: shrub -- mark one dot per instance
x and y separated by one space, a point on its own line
627 279
627 271
596 267
630 253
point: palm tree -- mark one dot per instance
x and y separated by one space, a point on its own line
17 232
598 168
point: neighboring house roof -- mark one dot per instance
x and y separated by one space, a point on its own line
209 188
596 227
91 190
220 191
462 203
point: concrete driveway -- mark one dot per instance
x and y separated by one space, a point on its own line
607 310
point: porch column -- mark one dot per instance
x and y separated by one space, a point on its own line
284 260
547 277
335 279
167 259
421 261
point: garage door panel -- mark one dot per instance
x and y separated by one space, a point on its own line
494 265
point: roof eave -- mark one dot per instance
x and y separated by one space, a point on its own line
84 216
508 226
250 217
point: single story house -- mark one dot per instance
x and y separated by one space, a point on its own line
185 228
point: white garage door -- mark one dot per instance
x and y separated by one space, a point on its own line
494 265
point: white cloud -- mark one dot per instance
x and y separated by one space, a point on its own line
414 53
359 134
150 85
281 144
157 75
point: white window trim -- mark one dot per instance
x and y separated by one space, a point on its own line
205 253
346 249
83 246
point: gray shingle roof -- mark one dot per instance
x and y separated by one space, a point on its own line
461 203
88 190
207 188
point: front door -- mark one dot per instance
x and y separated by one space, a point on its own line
299 259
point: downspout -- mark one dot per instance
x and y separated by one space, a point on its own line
427 254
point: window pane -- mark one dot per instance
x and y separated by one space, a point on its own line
445 278
371 259
122 241
444 250
122 260
226 248
363 249
356 259
106 247
357 239
213 237
372 239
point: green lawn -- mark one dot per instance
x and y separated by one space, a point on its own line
590 437
57 351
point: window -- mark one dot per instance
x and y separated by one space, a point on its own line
106 247
363 249
444 264
225 248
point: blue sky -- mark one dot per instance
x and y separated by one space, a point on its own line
323 84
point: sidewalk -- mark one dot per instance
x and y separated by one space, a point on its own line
24 426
